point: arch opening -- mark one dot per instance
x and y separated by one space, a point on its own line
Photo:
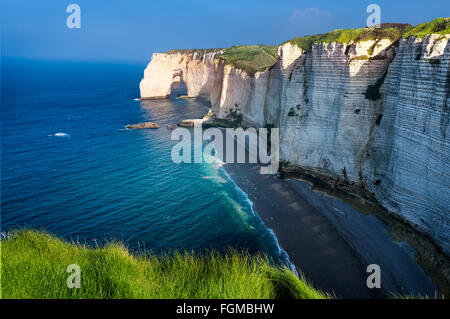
178 87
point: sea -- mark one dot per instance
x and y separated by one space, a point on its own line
70 167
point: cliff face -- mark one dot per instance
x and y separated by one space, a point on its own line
378 121
257 98
228 88
326 118
373 114
415 167
198 71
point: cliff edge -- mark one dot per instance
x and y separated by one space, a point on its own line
367 108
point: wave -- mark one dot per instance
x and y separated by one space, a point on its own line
60 134
218 162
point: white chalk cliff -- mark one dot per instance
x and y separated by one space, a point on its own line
373 114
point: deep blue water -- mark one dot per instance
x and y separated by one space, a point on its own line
69 166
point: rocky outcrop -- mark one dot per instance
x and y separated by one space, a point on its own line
256 98
144 125
370 114
197 122
197 70
229 89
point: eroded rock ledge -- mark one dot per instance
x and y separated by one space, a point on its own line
144 125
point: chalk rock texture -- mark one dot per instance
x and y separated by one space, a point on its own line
379 121
228 88
373 114
412 143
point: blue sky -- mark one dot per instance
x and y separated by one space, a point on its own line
121 30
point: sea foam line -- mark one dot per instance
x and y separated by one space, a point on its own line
281 252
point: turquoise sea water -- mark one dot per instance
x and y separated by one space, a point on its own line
69 166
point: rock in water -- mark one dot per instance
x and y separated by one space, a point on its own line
143 125
186 123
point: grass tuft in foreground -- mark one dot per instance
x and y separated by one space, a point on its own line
33 265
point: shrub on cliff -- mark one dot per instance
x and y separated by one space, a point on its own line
33 265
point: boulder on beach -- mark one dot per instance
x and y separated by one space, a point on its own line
143 125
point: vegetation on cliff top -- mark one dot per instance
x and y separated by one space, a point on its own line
437 26
258 58
198 51
33 265
251 58
391 31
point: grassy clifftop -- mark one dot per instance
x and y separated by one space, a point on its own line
192 51
391 31
33 265
258 58
251 58
438 26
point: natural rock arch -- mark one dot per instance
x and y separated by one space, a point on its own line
178 86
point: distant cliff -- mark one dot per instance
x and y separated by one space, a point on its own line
254 94
364 107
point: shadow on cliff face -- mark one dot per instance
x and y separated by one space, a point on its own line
357 103
382 155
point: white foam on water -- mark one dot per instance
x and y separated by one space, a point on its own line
280 251
219 165
60 134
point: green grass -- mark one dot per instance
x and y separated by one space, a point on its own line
360 57
437 26
407 297
391 31
251 58
33 265
221 123
198 51
258 58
